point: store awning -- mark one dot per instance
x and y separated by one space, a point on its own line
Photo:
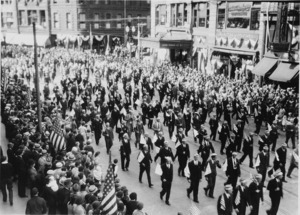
285 72
265 65
27 39
234 51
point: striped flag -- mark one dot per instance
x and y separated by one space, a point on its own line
57 136
109 202
237 198
194 210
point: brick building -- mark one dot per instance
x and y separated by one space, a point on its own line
212 35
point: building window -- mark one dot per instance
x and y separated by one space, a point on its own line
107 2
161 15
96 26
67 1
32 15
119 21
179 14
69 21
129 19
56 20
255 16
54 1
221 15
82 16
43 18
201 14
239 14
96 16
22 17
82 25
108 17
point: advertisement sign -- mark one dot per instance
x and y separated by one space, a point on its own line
239 9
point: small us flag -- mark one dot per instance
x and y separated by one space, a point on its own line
109 202
57 136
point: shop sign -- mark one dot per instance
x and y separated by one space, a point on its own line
239 9
175 44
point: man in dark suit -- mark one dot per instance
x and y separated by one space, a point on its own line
187 119
240 198
125 151
275 189
97 128
213 124
195 169
261 163
248 149
211 174
238 130
233 170
63 196
36 205
204 150
160 140
163 153
183 153
21 170
280 160
225 201
166 178
223 135
6 179
109 137
145 165
255 193
131 204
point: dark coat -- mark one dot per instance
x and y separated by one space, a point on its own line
167 173
195 171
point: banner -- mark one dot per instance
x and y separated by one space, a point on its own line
239 9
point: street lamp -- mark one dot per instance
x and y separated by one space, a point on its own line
129 37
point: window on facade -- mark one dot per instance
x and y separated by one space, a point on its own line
54 1
82 25
96 16
238 14
56 20
119 21
221 15
200 14
108 17
255 16
96 26
22 20
43 18
161 15
69 21
82 16
107 1
32 16
179 14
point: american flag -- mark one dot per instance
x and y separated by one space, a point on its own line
109 202
237 198
57 136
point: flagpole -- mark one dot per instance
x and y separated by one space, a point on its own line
91 38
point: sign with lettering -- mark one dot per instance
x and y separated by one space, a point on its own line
175 44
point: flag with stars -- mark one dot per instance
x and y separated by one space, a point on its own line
57 136
109 202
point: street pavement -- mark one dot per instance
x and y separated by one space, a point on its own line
179 201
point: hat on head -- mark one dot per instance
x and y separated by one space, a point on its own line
258 176
44 151
228 187
266 147
213 155
284 144
36 146
93 189
59 165
277 174
50 172
234 153
71 157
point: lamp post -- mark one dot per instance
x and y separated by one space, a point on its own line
37 81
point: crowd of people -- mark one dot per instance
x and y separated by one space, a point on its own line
87 103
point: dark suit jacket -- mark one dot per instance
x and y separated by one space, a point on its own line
36 205
63 197
131 206
164 152
243 196
167 173
231 171
159 142
213 167
275 188
195 171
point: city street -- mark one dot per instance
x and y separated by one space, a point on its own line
178 200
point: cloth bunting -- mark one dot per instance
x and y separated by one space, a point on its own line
218 39
253 42
85 38
99 38
237 41
224 40
230 41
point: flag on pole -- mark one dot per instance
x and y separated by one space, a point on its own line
138 102
142 139
194 210
109 202
269 128
57 136
257 162
140 157
207 170
237 198
224 167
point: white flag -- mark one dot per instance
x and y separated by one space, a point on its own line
174 138
154 139
177 144
224 167
142 139
157 149
195 133
187 171
257 162
123 111
140 157
219 127
207 170
158 170
138 102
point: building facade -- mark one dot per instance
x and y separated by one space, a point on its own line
68 19
224 36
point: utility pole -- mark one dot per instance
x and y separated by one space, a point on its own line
37 81
125 38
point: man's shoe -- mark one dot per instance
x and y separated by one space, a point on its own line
11 203
150 185
168 203
188 193
161 196
212 197
289 176
140 181
285 181
205 190
196 201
